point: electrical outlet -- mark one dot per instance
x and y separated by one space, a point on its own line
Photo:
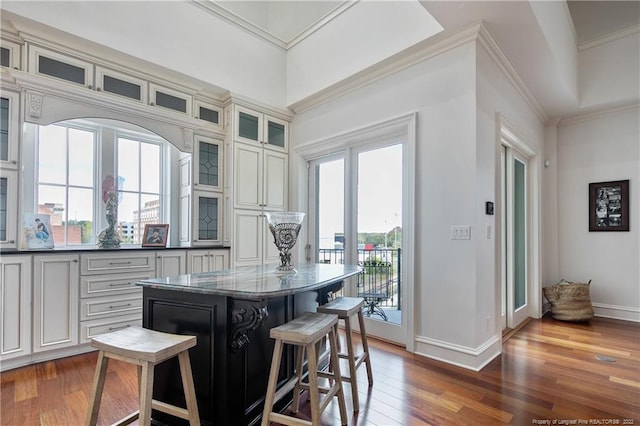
460 232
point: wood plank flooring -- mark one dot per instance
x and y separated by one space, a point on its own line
548 371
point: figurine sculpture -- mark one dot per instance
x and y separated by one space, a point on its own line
108 237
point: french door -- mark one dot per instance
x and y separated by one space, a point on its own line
515 237
355 217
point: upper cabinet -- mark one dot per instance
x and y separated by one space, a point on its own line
63 67
170 99
208 164
207 112
10 54
254 127
117 83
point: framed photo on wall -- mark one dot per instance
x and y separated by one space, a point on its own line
155 235
609 206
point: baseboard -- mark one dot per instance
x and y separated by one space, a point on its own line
625 313
22 361
462 356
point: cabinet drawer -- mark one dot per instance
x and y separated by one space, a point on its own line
106 263
112 284
108 306
89 329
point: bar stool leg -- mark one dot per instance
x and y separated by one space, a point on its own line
335 364
98 386
189 389
314 394
352 365
295 406
273 379
146 394
365 348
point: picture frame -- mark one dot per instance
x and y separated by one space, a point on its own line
609 206
155 235
37 231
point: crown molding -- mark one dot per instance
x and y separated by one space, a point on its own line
254 29
625 32
600 113
487 41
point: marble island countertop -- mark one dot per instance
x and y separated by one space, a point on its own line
256 282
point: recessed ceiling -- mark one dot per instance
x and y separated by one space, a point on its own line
597 20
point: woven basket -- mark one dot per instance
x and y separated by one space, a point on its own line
570 302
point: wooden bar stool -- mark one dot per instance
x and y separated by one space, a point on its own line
145 348
305 332
345 308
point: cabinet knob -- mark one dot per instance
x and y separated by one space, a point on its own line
14 162
152 103
75 260
90 86
12 241
99 89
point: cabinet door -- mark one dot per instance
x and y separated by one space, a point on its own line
170 99
120 84
207 112
208 164
52 64
248 126
8 209
276 134
249 237
15 299
207 218
269 249
218 260
185 201
197 261
170 263
275 181
248 176
10 54
55 301
9 129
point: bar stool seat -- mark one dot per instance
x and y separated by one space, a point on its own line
346 308
144 348
305 332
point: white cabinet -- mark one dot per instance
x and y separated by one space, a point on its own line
171 263
260 178
109 296
15 299
207 260
254 127
253 240
207 218
208 164
117 83
55 301
52 64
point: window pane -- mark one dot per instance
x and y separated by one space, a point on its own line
208 164
80 216
248 126
172 102
519 235
209 115
128 208
150 168
5 57
207 218
52 154
61 70
51 201
128 164
121 87
81 157
150 212
4 129
276 134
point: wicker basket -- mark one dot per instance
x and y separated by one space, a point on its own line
570 302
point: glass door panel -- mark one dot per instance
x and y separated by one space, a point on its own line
519 235
329 211
379 231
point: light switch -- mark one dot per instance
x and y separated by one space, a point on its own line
460 232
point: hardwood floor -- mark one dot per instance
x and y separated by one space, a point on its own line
548 371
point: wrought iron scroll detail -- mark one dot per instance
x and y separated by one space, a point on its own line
245 317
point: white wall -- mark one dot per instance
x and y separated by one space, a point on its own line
601 148
442 92
363 35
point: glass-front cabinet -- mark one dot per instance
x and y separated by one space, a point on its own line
254 127
208 164
9 129
207 218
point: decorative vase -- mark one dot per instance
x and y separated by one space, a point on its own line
285 227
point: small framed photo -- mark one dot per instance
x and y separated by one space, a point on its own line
37 231
609 206
155 235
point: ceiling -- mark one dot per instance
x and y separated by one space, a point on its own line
288 21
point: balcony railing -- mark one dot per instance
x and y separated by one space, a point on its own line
379 282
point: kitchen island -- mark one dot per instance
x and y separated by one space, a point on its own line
231 312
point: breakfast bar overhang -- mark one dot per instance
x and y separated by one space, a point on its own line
231 312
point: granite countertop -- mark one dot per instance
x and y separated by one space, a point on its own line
256 282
